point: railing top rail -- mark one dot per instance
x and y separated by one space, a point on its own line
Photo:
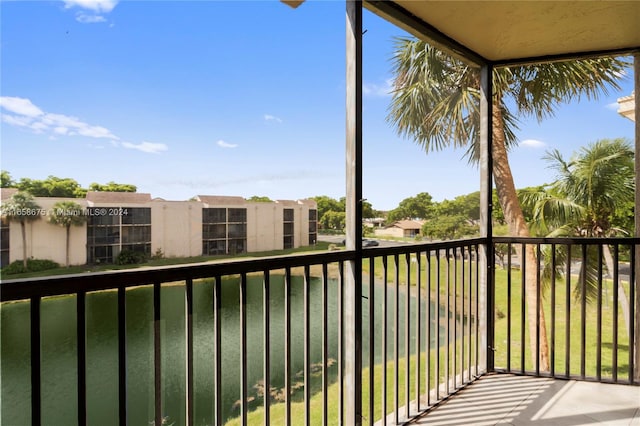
567 240
25 288
19 289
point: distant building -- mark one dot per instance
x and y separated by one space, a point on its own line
208 225
373 222
626 106
401 229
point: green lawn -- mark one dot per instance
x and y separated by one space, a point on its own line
166 261
562 327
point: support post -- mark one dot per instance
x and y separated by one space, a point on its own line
636 346
353 277
486 278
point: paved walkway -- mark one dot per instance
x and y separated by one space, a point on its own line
518 400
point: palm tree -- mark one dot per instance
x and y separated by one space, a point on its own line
67 214
590 189
436 102
22 208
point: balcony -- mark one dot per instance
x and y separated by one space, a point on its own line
201 344
363 336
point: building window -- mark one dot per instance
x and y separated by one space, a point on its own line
111 230
136 230
313 226
237 231
4 243
224 231
287 228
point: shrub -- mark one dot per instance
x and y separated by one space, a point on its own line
159 254
130 257
33 265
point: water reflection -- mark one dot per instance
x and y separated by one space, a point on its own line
59 385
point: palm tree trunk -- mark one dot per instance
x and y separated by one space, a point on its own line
518 227
23 228
67 246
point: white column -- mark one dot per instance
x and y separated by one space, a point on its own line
353 273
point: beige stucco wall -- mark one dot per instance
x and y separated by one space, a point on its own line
301 226
265 221
390 232
264 226
176 228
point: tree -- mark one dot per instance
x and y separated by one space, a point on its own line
449 227
112 187
67 214
586 200
5 180
418 207
367 210
467 206
333 220
259 199
331 212
52 186
22 208
326 204
436 102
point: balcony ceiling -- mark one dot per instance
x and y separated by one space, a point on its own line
508 31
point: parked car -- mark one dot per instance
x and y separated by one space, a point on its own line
365 243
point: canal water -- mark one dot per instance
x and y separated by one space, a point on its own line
59 383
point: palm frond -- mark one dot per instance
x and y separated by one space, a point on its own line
539 89
554 264
435 100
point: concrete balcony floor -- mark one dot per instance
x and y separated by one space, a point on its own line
520 400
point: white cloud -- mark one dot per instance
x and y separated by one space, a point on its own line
39 127
74 126
20 106
378 90
149 147
269 117
84 18
613 106
62 120
24 114
17 120
96 132
99 6
223 144
532 143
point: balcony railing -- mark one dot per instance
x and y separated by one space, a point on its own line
263 340
586 293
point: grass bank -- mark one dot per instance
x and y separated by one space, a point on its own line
165 261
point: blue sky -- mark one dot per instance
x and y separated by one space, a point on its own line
228 98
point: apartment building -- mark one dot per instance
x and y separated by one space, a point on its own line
205 225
